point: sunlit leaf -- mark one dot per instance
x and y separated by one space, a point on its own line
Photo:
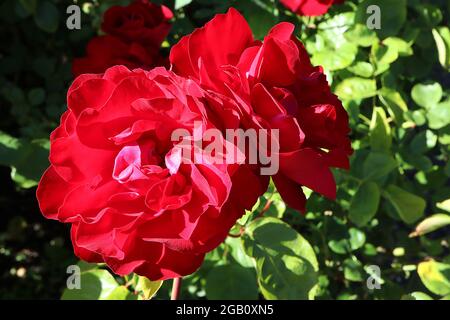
364 203
431 224
435 276
408 206
285 262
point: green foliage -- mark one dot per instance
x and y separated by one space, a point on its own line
181 3
146 287
409 207
282 258
356 88
47 16
231 281
27 159
435 276
96 283
427 95
393 15
364 203
430 224
442 38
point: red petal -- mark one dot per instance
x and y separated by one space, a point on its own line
220 42
290 191
51 193
309 168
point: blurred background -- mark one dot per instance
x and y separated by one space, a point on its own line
392 209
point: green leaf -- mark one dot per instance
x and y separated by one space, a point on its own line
344 240
27 159
181 3
364 203
231 281
47 16
36 96
95 285
418 117
286 264
347 296
402 47
361 35
29 5
439 115
435 276
334 28
362 69
277 207
419 161
409 207
430 224
86 266
9 147
444 205
356 88
384 54
120 293
417 296
238 253
147 287
353 270
430 14
393 15
380 131
442 38
423 142
395 103
427 95
378 165
336 59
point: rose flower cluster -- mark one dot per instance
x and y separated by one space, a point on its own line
119 179
133 38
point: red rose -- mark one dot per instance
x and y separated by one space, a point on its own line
118 178
141 21
107 51
135 34
276 87
310 7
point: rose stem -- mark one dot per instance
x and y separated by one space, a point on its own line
176 288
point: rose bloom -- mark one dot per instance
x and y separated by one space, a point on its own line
107 51
119 180
134 37
140 21
310 7
276 87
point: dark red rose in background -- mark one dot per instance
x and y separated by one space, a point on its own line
134 37
276 87
141 21
107 51
310 7
118 179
